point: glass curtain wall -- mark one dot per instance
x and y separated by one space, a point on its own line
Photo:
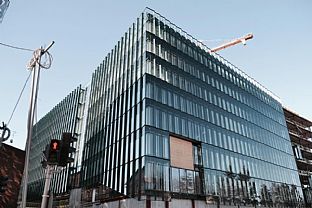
112 154
64 117
242 151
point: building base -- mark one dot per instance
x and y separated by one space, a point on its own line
174 203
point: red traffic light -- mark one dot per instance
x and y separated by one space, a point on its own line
54 151
55 145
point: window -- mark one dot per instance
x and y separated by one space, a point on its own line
183 181
175 180
190 181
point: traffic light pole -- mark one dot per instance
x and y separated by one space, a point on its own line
45 196
35 67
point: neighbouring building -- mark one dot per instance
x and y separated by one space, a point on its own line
4 5
67 116
171 124
11 165
300 132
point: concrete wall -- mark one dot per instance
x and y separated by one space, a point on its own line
180 203
157 204
126 203
75 198
175 203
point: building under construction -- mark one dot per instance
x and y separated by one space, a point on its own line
300 132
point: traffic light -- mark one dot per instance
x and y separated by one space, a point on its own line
3 183
54 151
45 152
67 140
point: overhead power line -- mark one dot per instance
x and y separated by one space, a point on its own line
19 97
16 47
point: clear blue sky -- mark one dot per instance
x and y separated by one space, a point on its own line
279 56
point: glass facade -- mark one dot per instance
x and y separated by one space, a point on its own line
158 86
114 135
67 116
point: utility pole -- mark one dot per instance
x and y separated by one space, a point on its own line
35 66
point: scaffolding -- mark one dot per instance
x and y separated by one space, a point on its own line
300 133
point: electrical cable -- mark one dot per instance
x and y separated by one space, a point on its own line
38 56
18 99
47 57
15 47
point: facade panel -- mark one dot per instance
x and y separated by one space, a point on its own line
181 153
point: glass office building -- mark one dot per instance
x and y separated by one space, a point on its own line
67 116
168 120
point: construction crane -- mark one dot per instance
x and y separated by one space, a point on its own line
233 42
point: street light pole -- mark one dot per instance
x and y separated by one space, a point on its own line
35 67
